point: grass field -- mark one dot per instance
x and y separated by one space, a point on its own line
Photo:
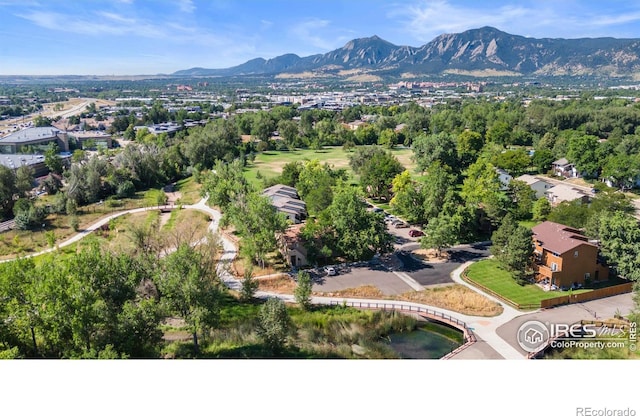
489 274
270 163
189 190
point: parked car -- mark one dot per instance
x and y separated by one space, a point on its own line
331 271
401 224
415 233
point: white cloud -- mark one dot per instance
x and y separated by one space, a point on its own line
309 32
186 6
426 19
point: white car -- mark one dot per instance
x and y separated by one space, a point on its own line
330 271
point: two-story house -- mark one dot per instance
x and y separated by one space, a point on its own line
292 246
565 257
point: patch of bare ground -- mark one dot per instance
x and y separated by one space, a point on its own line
364 78
360 292
457 298
164 217
282 284
430 255
176 333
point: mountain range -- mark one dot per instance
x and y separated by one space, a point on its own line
478 52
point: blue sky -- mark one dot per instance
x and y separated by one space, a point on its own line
119 37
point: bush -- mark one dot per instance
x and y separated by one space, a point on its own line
302 292
126 189
74 223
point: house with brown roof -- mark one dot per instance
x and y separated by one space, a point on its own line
565 257
292 247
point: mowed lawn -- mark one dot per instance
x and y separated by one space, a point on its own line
270 163
490 275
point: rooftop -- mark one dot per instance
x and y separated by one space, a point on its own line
561 162
529 179
31 134
565 193
14 161
559 238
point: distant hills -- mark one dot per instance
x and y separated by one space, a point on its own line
478 52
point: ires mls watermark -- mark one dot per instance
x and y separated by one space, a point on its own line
534 336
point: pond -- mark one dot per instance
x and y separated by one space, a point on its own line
430 340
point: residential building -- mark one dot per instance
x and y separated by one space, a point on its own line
292 247
286 200
505 178
539 186
562 167
561 193
565 257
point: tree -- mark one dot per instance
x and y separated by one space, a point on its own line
512 246
52 160
541 209
225 184
583 152
619 235
482 189
499 133
315 183
542 159
437 189
428 149
513 161
24 179
289 132
350 229
377 173
468 145
189 288
522 197
302 292
7 190
218 140
440 233
263 126
274 324
249 285
388 138
622 170
259 224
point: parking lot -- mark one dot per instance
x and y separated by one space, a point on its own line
386 275
353 277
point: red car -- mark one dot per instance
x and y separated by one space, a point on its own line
415 233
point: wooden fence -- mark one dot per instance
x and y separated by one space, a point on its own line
587 296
